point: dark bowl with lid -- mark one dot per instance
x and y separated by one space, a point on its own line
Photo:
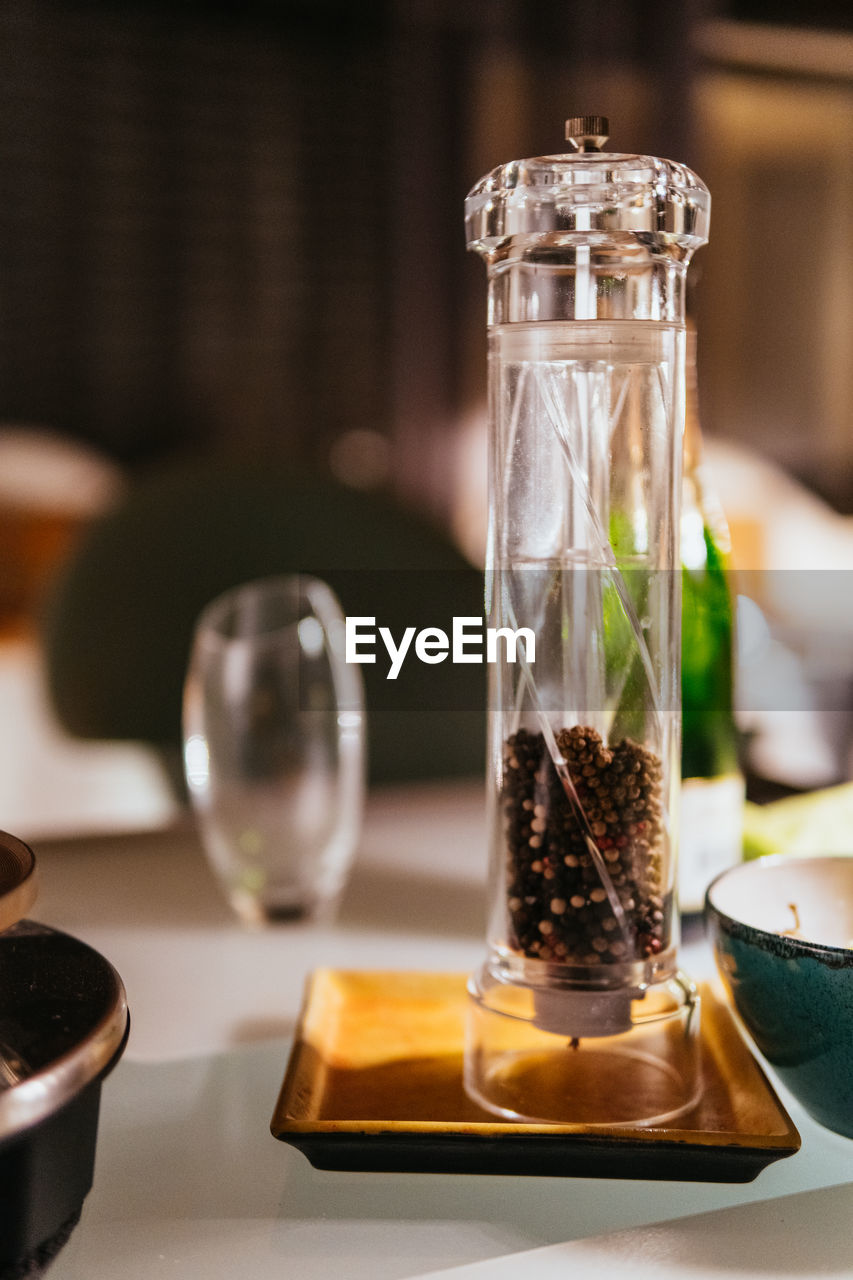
63 1026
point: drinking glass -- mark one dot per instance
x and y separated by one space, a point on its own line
273 746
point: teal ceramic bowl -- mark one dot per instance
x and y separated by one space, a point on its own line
782 930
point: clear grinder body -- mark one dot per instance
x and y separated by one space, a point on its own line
586 255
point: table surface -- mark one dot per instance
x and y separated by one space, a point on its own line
189 1181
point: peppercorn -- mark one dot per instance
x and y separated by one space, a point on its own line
617 808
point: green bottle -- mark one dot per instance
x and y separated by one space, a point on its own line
712 792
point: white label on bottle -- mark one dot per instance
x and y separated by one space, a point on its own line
711 834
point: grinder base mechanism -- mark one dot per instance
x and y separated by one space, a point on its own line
611 1057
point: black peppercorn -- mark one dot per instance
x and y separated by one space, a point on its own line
558 907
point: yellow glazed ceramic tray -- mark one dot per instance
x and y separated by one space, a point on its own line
374 1082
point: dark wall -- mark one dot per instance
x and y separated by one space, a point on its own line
238 229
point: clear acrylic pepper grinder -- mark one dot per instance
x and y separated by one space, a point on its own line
579 1013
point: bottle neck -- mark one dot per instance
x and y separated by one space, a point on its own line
692 432
702 498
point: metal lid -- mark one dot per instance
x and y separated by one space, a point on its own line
592 192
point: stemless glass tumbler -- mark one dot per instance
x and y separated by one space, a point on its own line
273 746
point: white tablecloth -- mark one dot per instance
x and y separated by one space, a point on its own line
189 1182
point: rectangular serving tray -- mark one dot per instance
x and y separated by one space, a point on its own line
374 1082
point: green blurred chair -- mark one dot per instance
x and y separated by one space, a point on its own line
118 624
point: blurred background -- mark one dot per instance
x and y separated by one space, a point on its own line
235 232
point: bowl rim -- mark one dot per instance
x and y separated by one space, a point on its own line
842 956
47 1090
19 890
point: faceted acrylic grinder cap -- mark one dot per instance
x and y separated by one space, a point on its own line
589 190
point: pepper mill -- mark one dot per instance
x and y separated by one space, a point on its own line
579 1012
